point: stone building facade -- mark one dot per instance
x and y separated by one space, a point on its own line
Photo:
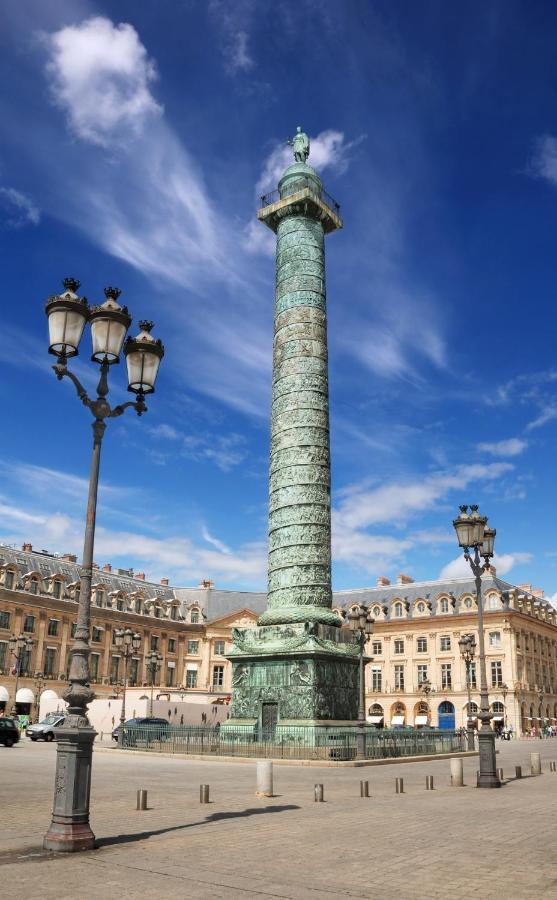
416 634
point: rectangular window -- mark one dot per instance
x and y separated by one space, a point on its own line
399 678
421 645
376 678
170 675
3 654
171 645
9 580
49 661
494 638
444 605
154 642
399 646
445 642
94 666
496 673
219 648
446 675
4 619
114 669
377 648
422 673
25 662
191 678
193 647
74 629
472 675
52 630
173 613
133 671
96 634
218 676
29 624
57 589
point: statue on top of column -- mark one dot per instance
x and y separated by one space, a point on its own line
300 145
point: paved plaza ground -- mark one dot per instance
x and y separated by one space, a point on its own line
453 842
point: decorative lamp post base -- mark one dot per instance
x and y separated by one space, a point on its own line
470 735
488 760
361 741
69 830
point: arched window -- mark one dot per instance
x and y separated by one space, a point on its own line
376 611
443 605
492 601
468 603
474 709
421 607
397 610
194 616
498 707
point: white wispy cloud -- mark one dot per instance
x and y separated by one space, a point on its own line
543 162
220 546
510 447
547 414
101 75
17 209
232 21
224 450
459 568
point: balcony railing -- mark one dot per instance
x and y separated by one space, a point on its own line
300 185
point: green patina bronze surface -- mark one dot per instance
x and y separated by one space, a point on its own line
298 657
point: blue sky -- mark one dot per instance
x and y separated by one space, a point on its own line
136 139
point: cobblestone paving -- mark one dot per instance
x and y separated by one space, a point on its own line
449 842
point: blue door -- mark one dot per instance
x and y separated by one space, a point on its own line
446 716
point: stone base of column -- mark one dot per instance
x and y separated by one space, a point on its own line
69 830
488 760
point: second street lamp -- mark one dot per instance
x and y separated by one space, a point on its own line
67 316
467 645
153 660
473 534
128 642
361 622
541 718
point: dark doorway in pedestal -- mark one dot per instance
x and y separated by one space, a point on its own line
269 719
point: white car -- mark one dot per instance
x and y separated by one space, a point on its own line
45 730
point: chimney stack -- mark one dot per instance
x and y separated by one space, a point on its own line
141 576
107 567
27 548
538 592
207 583
164 581
69 557
404 579
525 587
383 581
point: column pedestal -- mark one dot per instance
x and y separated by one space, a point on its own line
70 830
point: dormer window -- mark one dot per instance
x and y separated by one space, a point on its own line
120 605
194 616
33 586
376 611
9 580
444 605
398 610
57 589
138 605
173 613
99 594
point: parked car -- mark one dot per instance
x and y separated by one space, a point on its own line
45 730
9 732
142 729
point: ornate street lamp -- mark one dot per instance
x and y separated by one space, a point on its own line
427 688
38 684
153 660
505 691
467 645
67 315
473 534
361 623
19 647
128 642
541 718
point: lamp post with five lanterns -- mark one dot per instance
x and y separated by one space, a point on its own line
361 622
19 646
67 316
128 642
473 534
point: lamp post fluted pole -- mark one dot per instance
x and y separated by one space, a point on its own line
473 534
153 660
68 314
18 646
467 645
361 622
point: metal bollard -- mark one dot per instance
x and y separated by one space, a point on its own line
500 775
264 778
399 785
457 773
536 763
203 793
364 788
429 782
318 793
553 766
477 778
141 800
518 771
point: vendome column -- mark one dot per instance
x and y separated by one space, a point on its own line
298 667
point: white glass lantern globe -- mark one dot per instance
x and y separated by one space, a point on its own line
67 314
464 528
109 323
143 356
488 544
479 523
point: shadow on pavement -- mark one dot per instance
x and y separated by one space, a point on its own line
215 817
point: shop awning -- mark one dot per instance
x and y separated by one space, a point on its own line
375 719
397 720
421 720
3 694
24 695
498 718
